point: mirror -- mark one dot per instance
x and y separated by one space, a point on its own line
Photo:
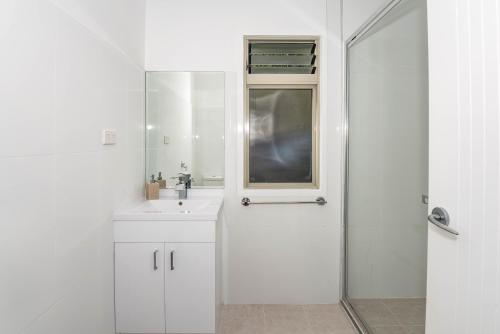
185 126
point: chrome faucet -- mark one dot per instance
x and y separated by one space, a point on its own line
183 184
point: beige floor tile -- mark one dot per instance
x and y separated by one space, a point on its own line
415 329
323 308
411 319
389 301
375 313
333 331
373 301
398 305
324 311
284 319
255 307
283 310
389 330
408 312
243 326
335 321
241 319
287 327
231 312
328 319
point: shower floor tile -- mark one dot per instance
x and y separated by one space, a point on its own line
284 319
392 316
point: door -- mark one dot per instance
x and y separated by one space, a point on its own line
443 169
464 65
139 287
190 287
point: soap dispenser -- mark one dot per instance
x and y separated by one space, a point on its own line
161 181
152 189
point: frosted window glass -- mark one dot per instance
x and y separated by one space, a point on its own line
280 135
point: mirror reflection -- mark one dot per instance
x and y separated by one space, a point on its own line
185 127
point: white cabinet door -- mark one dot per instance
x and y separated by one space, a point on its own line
190 287
139 287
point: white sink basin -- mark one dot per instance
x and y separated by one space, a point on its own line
173 209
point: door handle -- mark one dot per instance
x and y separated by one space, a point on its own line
172 260
441 219
155 265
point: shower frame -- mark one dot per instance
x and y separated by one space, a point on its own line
352 40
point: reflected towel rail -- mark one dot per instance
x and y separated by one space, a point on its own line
319 201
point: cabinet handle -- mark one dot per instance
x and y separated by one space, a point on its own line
172 260
155 266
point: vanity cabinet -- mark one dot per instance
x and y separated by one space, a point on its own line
167 276
165 287
168 266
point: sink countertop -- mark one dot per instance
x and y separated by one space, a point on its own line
195 208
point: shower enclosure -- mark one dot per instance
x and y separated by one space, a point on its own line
386 179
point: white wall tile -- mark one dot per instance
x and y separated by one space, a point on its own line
86 303
66 76
357 12
82 87
119 22
215 42
266 245
78 188
27 33
27 255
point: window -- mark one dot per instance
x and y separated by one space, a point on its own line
281 112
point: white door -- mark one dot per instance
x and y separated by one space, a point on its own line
139 287
190 287
463 287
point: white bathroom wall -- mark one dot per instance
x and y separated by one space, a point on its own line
69 69
274 254
357 12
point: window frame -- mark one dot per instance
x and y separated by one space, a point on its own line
283 81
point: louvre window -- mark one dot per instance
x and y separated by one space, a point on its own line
281 58
281 113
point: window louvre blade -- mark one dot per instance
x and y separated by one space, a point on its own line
281 57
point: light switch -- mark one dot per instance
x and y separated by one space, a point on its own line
166 140
109 137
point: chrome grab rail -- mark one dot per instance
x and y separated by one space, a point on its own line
441 219
245 201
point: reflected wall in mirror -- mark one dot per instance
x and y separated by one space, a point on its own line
185 126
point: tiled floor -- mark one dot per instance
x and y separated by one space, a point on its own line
284 319
392 316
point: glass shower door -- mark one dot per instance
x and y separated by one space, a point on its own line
387 178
